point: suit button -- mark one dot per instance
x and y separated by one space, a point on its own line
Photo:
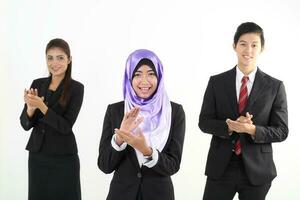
43 130
232 141
139 175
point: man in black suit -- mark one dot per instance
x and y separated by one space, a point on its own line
245 110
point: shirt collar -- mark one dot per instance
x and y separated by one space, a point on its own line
240 75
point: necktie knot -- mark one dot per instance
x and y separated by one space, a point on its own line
245 79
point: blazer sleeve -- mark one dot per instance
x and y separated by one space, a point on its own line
208 121
64 123
277 129
108 158
27 122
169 159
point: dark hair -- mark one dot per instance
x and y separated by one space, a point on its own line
64 46
144 61
249 27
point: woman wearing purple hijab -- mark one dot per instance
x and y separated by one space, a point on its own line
143 146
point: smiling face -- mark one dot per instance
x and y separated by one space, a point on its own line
57 61
247 50
144 82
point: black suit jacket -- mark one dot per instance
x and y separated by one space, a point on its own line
52 133
154 183
268 105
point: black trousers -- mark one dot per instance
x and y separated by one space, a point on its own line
234 181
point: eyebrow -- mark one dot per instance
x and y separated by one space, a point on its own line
247 42
150 70
56 55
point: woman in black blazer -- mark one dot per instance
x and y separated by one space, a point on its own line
51 107
144 146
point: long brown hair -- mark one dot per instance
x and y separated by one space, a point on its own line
64 46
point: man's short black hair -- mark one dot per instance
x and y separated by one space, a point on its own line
249 27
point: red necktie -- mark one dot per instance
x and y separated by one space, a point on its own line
243 98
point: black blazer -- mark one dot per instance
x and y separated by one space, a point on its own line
268 105
154 183
52 133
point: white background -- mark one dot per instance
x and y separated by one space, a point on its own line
192 38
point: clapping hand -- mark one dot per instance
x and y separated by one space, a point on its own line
28 94
137 140
33 101
242 124
130 122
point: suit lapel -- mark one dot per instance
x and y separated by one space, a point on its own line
56 95
230 88
257 88
44 87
